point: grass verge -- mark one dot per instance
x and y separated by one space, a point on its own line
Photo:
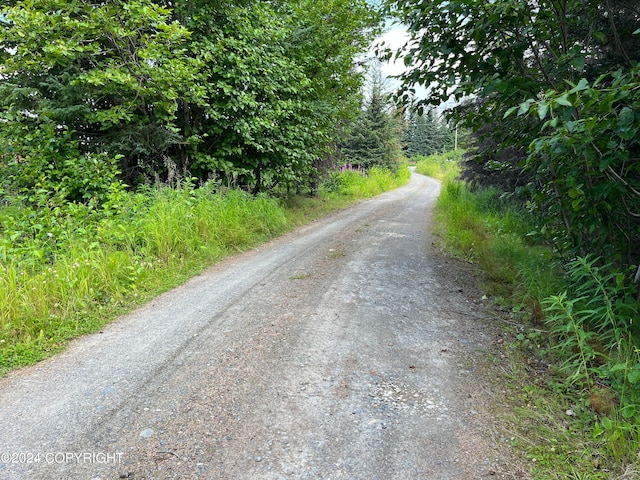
68 271
439 166
562 428
341 189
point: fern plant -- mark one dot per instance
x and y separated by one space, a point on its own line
574 341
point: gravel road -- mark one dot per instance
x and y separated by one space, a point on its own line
348 349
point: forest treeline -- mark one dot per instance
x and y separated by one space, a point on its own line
256 94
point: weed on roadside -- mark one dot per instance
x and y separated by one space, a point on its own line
70 270
572 364
440 166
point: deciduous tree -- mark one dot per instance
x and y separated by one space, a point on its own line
555 84
108 74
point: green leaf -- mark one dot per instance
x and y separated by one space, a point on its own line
627 134
582 85
543 108
578 63
564 100
524 107
509 112
628 411
604 163
633 376
607 423
626 118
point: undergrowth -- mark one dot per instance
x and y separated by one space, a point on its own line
359 184
67 269
575 360
439 165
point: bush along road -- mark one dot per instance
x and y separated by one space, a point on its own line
349 348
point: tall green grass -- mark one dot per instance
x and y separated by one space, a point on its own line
68 283
360 184
585 332
68 271
439 166
486 228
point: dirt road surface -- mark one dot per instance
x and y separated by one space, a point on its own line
348 349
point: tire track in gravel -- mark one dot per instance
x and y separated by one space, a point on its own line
347 349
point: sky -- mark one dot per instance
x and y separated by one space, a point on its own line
395 37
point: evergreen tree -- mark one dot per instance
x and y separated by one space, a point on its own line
427 134
375 137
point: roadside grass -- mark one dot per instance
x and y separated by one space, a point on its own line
549 430
564 427
341 189
69 271
440 165
358 185
486 228
96 266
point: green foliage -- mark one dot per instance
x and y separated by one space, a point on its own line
488 228
592 333
554 109
51 171
279 80
594 326
251 92
601 310
591 341
360 184
439 166
107 76
502 53
67 270
587 155
551 444
253 125
427 134
375 136
62 272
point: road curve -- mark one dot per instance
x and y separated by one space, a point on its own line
348 349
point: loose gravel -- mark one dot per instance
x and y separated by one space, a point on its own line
348 349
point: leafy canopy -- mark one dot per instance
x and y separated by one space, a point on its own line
249 91
551 90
